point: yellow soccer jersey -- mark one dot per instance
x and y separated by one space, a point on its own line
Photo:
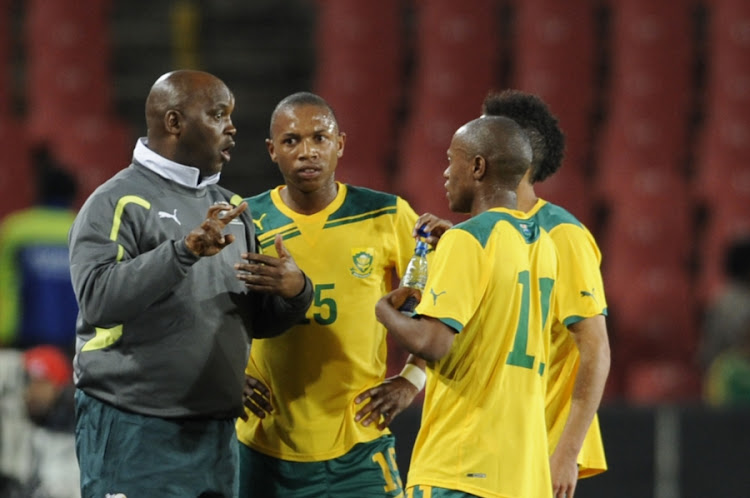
491 279
580 294
316 369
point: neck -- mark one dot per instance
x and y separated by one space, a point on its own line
501 198
309 202
526 196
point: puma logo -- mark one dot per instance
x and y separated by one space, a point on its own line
435 296
163 214
259 221
589 294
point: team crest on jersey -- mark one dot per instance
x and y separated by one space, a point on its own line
362 258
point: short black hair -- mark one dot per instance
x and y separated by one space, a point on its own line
534 116
298 99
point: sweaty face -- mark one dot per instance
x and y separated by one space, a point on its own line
459 184
306 144
207 134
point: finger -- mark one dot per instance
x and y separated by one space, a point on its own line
263 259
228 215
228 239
364 395
259 386
278 242
213 211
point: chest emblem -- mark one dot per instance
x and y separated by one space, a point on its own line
173 216
362 257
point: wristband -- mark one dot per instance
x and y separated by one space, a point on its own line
415 375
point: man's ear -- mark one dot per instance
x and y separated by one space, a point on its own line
173 122
479 167
341 139
271 149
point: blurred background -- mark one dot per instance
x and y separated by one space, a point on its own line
654 98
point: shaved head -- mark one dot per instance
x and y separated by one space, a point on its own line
188 119
173 91
502 143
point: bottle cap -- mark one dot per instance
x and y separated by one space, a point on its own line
422 232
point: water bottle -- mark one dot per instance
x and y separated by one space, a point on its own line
415 275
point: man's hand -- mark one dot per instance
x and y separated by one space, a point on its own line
564 471
435 226
395 299
263 273
207 239
256 397
387 400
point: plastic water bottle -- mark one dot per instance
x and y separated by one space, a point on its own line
415 275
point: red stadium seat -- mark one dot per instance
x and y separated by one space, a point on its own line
16 182
555 40
362 80
96 147
68 63
5 57
457 52
652 311
650 382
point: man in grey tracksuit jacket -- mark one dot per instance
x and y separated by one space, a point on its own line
163 334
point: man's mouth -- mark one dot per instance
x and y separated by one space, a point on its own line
226 154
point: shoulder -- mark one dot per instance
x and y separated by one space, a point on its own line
551 216
260 201
361 203
482 226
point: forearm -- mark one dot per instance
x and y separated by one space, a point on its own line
111 292
591 339
276 314
427 338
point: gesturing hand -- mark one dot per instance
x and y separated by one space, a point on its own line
207 239
263 273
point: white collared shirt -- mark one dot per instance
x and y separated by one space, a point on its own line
179 173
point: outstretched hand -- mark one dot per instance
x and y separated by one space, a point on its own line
433 225
387 400
263 273
207 239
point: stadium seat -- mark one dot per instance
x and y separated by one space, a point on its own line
68 53
555 40
5 57
661 381
362 81
16 181
95 147
650 96
652 311
456 53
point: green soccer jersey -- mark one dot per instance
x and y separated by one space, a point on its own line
483 432
315 370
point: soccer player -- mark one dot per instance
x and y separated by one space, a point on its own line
483 328
301 437
580 357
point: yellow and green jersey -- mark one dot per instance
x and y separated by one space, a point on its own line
492 279
316 369
580 294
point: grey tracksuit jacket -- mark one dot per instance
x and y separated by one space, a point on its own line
160 331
